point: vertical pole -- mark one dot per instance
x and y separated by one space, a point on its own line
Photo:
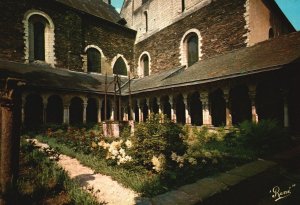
105 98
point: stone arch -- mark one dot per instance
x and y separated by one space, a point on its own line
117 59
240 104
196 109
184 48
55 110
142 66
33 111
92 111
76 110
48 32
85 57
218 107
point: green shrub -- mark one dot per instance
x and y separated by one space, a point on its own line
266 136
154 139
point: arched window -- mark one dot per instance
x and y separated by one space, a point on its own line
37 25
145 65
146 21
120 67
192 49
39 37
93 60
39 41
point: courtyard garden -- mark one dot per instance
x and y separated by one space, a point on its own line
161 156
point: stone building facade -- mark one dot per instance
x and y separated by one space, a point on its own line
199 62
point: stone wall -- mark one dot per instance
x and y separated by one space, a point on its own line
221 25
74 31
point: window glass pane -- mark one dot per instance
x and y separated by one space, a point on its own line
193 51
39 41
93 60
146 65
120 67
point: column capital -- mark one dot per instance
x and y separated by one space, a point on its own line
10 86
204 95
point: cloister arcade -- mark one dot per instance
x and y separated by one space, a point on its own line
219 106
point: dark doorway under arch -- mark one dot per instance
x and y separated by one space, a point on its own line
76 111
92 111
55 110
33 111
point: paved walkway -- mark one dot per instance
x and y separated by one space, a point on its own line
105 189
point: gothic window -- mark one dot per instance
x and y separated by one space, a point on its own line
192 49
93 60
120 67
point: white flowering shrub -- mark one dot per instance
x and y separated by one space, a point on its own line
116 150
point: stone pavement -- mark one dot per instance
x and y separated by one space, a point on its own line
103 187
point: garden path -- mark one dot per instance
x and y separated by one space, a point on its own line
103 187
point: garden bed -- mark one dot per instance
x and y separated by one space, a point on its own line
160 157
41 181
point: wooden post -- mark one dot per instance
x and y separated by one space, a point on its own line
10 106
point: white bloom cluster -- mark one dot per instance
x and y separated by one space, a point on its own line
159 162
115 151
178 159
128 144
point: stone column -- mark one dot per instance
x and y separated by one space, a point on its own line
252 96
132 113
85 103
228 110
10 119
100 102
66 102
148 105
187 109
204 97
112 115
23 109
66 113
159 106
45 103
286 121
141 117
173 109
125 117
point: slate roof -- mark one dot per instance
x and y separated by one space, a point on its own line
46 77
94 7
262 57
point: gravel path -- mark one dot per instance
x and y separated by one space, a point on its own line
104 187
